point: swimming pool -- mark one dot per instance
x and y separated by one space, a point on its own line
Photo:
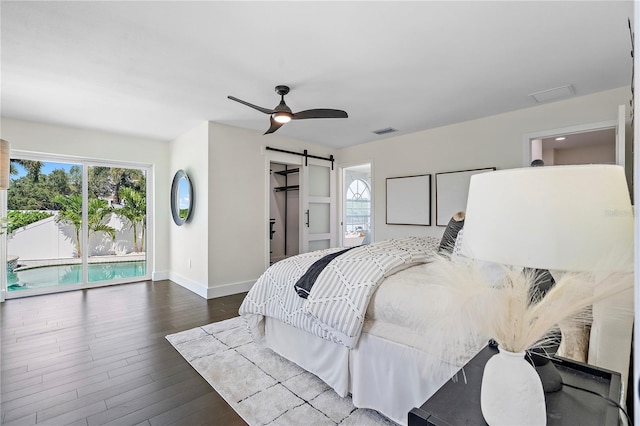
48 276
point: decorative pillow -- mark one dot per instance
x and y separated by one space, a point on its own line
575 341
451 233
456 253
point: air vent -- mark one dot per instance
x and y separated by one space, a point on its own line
553 94
385 131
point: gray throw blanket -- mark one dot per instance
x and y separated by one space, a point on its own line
305 283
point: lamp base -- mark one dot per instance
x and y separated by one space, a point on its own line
549 375
550 378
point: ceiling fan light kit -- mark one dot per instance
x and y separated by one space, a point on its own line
282 114
282 117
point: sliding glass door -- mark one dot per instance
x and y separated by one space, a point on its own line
74 224
116 223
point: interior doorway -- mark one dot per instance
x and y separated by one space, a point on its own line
284 210
300 203
594 140
357 205
591 147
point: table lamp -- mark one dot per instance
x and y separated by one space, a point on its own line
559 218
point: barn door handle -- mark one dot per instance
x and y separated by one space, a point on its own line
308 216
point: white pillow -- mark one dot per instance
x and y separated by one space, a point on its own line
456 254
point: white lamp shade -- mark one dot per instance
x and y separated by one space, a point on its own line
4 164
560 217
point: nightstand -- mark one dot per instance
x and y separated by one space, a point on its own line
458 403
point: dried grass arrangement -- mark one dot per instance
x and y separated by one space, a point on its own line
499 302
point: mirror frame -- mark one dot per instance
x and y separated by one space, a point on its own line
175 197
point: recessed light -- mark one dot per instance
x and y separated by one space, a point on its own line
561 138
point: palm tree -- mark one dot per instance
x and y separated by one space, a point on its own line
71 213
135 210
107 181
32 167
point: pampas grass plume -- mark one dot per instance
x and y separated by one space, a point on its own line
493 301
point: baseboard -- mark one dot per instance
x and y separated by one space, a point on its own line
189 284
229 289
213 292
159 275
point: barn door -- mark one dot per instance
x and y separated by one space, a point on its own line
318 218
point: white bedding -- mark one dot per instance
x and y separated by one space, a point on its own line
406 308
394 366
336 306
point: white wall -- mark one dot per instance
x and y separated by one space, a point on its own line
548 156
188 253
592 154
227 238
238 240
92 144
492 141
46 239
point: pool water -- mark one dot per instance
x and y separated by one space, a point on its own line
48 276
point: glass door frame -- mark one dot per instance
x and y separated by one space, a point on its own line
85 163
342 199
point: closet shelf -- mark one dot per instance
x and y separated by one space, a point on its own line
287 172
286 188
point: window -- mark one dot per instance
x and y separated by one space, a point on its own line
358 209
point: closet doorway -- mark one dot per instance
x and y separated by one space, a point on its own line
284 210
301 204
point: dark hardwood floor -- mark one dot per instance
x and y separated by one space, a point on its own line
100 356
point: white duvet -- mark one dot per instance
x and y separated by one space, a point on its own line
408 308
335 308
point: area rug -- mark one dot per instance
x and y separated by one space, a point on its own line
260 385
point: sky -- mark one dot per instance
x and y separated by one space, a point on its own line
48 167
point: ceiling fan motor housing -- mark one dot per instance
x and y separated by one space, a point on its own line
282 90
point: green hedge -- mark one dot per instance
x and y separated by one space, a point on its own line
17 218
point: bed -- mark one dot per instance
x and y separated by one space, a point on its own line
363 323
382 310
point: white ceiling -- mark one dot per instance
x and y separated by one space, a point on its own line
157 69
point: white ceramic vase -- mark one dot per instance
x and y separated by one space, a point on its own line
511 392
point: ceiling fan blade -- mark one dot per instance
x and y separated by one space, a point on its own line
274 126
319 113
265 110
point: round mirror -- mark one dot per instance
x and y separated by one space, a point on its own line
181 198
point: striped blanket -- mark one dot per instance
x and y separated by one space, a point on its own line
336 306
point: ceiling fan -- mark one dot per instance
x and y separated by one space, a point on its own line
282 113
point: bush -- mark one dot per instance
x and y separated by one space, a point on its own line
17 218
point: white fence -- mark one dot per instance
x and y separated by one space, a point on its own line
47 239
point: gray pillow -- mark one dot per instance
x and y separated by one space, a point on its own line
451 233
